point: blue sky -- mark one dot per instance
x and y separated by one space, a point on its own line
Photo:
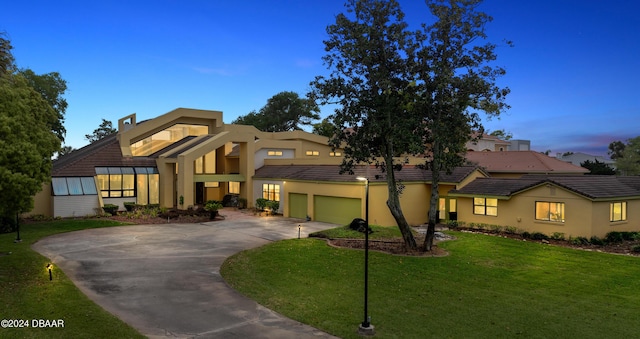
574 71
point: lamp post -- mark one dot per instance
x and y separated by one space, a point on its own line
365 327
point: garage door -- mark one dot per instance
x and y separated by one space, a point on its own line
336 210
298 205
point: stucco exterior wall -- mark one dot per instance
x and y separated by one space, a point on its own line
42 202
583 217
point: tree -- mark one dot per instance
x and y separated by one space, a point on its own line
370 54
408 93
6 57
456 81
65 150
629 162
502 134
285 111
104 130
26 144
51 87
616 149
324 128
566 154
598 167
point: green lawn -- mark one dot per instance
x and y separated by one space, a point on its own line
487 287
27 294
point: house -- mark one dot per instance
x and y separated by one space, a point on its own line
185 157
515 164
180 159
566 205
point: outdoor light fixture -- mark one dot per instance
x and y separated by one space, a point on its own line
49 267
365 327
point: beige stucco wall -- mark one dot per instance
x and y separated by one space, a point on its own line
414 199
42 202
582 216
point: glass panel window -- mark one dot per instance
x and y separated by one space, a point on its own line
75 187
271 192
485 206
154 189
199 165
274 153
59 186
313 153
166 137
550 211
618 211
88 185
335 154
210 162
234 187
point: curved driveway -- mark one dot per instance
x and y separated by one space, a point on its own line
164 279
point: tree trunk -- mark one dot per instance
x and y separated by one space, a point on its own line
396 211
433 203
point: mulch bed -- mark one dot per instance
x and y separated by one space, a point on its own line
391 246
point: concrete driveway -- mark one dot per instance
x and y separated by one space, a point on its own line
164 279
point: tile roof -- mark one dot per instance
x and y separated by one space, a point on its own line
102 153
589 186
522 162
332 173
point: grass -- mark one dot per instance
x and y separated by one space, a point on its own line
27 293
487 287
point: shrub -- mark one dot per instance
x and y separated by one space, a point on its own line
557 236
212 205
273 205
510 230
129 205
261 203
539 236
594 240
526 235
613 237
495 228
635 249
579 241
242 203
110 208
452 224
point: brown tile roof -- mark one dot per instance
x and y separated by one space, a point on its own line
589 186
522 162
331 173
102 153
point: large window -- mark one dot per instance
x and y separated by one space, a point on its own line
618 211
550 211
140 182
271 192
164 138
485 206
234 187
74 186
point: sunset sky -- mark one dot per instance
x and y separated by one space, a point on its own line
574 71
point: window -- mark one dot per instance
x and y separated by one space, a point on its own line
140 182
234 187
271 192
618 211
550 211
73 186
485 206
165 138
274 153
314 153
335 154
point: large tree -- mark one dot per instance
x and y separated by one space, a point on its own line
456 82
629 161
285 111
598 167
616 149
104 130
51 87
409 93
26 144
369 53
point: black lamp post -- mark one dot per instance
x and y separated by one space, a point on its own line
365 327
